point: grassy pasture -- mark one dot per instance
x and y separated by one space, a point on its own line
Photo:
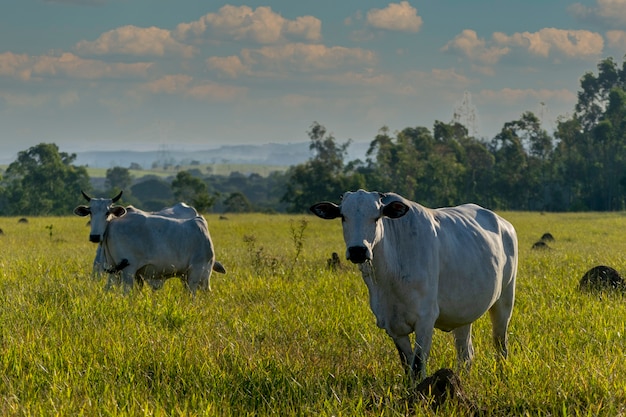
281 335
224 169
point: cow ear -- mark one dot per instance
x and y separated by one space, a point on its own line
118 211
82 211
395 209
326 210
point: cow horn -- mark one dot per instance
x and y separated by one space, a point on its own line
85 195
117 197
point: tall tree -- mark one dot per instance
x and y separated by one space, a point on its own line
118 179
591 154
324 176
192 190
510 169
43 181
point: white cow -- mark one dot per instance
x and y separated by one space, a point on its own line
150 247
429 268
178 211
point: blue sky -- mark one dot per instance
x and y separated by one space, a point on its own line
195 74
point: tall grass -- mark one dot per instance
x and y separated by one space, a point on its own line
280 334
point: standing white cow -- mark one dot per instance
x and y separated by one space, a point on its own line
429 268
178 211
150 247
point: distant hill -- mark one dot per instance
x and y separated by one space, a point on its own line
266 154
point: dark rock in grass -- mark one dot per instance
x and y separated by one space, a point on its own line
441 386
547 237
540 245
23 220
601 278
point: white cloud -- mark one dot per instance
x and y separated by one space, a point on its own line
230 66
25 67
136 41
616 39
469 45
73 66
184 85
15 65
396 17
260 25
608 12
293 57
550 41
545 43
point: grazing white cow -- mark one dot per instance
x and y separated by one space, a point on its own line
150 247
429 268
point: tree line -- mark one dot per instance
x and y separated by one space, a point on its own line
580 167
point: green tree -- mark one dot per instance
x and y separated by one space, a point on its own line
39 180
192 190
590 157
509 169
538 148
237 202
118 179
324 176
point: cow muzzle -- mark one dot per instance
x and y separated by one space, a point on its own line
358 254
94 238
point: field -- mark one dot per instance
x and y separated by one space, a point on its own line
224 169
280 334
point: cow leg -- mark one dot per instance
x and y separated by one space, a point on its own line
128 279
500 314
403 344
198 276
464 348
423 342
110 281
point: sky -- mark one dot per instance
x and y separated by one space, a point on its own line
198 74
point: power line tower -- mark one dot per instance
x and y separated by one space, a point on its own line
466 114
545 118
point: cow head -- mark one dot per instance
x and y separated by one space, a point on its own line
360 213
100 210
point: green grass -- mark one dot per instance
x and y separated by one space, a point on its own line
281 335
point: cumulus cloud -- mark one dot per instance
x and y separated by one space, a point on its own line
616 39
469 45
292 57
396 17
306 57
606 12
184 85
137 41
25 67
549 41
15 65
545 43
260 25
230 66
